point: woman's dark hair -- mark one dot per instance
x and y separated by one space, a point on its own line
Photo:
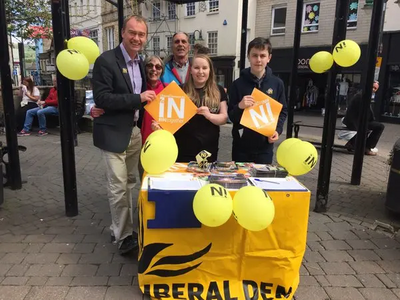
31 85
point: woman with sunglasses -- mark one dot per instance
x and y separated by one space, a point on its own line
202 131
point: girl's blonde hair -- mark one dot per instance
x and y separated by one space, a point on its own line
211 92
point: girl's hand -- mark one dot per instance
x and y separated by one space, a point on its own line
205 111
155 126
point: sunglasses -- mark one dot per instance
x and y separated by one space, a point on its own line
151 66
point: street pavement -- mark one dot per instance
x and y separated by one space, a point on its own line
353 250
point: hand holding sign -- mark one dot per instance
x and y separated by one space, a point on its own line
263 116
247 101
171 108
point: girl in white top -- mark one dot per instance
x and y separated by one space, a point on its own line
30 95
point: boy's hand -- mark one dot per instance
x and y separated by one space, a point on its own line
247 101
273 138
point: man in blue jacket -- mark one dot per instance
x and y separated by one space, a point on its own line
177 68
249 145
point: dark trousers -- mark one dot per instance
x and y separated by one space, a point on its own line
258 158
375 129
21 113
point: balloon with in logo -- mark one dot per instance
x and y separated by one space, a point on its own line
212 205
301 158
346 53
86 46
282 151
72 64
159 152
253 208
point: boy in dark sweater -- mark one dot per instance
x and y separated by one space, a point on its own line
249 145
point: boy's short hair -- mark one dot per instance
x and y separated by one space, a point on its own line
261 44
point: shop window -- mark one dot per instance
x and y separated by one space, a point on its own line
353 13
278 20
392 93
311 17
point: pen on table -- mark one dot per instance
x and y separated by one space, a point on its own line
263 180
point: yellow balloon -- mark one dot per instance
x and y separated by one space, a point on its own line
282 150
346 53
301 158
253 208
72 64
159 152
86 46
321 62
212 205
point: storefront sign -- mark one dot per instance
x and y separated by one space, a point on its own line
303 63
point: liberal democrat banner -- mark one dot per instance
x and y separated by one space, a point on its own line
179 258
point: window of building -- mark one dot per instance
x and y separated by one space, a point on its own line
391 96
171 10
311 17
156 45
353 13
190 9
94 36
169 43
156 10
110 38
278 20
192 41
213 5
213 42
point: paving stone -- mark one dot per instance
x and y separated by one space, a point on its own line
47 293
98 258
359 255
129 270
60 230
88 281
45 270
390 280
84 293
313 256
33 248
17 270
109 270
68 238
13 258
37 280
396 292
366 267
370 280
389 254
14 292
68 258
335 245
124 293
80 270
12 247
15 281
378 294
84 248
322 280
324 235
345 293
339 226
96 238
57 248
303 270
315 246
127 280
343 235
386 243
41 258
312 237
336 268
336 255
39 238
312 268
390 266
310 293
361 244
308 281
60 281
343 281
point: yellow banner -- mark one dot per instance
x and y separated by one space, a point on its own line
226 262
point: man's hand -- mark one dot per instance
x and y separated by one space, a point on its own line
147 96
247 101
96 112
155 126
273 138
205 111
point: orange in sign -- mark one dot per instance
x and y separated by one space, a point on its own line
172 108
263 116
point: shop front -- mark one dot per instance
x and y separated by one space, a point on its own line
311 87
387 106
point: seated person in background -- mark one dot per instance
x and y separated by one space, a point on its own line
46 107
352 118
30 95
202 131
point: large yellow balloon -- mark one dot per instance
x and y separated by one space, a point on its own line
321 62
86 46
159 152
253 208
72 64
346 53
301 158
212 205
282 151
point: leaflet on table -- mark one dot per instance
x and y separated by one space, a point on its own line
173 181
277 184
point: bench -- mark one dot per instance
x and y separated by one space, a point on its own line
298 124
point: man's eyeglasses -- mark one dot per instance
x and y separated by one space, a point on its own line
151 66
